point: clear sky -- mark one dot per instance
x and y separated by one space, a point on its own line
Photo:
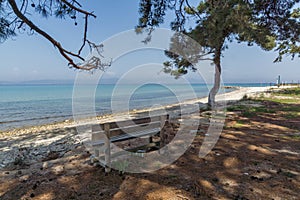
34 58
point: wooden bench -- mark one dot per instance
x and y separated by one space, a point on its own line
105 134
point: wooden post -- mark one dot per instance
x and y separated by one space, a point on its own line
150 139
96 152
163 119
107 147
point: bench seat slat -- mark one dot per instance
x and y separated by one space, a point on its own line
128 122
133 129
128 136
100 135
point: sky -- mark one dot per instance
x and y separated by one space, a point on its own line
31 57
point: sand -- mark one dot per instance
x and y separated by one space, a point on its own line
235 95
35 143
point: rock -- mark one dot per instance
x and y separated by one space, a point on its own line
35 153
58 169
24 178
262 176
52 155
47 165
215 179
19 160
34 186
240 197
28 151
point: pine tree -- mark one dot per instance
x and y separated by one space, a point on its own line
271 24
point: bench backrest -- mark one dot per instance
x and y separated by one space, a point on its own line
104 134
114 129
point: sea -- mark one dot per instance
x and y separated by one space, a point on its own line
37 104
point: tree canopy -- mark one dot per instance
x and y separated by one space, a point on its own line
271 24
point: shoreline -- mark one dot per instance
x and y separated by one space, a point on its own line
235 95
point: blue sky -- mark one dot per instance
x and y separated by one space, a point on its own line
34 58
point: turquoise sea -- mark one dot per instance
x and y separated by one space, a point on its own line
29 105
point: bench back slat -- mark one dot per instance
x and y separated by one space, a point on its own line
124 123
133 129
127 127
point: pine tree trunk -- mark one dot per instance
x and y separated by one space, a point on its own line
217 80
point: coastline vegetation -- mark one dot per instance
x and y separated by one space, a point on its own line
275 103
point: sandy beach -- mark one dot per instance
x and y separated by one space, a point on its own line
62 136
230 96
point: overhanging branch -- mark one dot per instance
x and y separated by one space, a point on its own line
78 9
65 53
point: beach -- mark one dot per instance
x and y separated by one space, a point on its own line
55 151
65 132
235 95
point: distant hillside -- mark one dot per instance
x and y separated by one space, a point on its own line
5 83
37 82
56 82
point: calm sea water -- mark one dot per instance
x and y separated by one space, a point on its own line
28 105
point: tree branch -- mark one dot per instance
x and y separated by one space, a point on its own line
78 9
84 34
188 4
56 44
202 59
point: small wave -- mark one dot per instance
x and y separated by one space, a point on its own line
35 118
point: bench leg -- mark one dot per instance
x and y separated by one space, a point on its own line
107 155
162 142
150 139
96 152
